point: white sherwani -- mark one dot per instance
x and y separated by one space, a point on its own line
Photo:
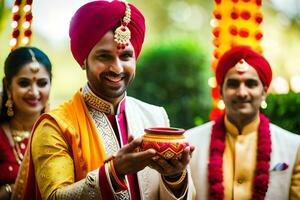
140 115
49 136
283 185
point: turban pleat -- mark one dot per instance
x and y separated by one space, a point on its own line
234 55
93 20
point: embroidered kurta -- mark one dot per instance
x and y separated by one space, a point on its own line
239 162
64 157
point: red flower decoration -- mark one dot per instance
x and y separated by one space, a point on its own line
258 2
216 31
233 30
218 1
244 32
245 15
16 17
16 33
258 36
29 2
18 2
28 33
261 180
215 92
217 15
235 1
234 14
216 42
262 167
215 113
28 17
258 18
216 54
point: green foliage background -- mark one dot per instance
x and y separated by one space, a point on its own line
284 111
174 75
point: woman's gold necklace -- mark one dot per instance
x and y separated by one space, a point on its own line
18 135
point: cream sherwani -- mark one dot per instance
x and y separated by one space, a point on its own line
54 160
139 116
239 162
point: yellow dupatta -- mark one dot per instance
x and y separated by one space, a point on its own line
78 128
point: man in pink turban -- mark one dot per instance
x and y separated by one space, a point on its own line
241 155
85 149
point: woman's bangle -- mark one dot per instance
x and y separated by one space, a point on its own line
177 182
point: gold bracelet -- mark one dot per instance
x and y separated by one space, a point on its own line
121 182
109 158
7 188
178 182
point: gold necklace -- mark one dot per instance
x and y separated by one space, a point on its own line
17 130
18 135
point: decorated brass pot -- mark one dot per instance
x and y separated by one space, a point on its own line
168 142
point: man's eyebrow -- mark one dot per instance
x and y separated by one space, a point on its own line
232 79
102 51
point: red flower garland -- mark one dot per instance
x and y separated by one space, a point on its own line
215 165
18 14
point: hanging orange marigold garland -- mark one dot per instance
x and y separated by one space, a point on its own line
235 22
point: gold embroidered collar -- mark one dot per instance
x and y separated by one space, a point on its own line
96 102
249 128
92 100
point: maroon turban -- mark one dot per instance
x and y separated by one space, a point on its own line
93 20
234 55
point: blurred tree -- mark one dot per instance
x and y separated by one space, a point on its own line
284 111
174 75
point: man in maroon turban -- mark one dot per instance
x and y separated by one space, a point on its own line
85 149
241 155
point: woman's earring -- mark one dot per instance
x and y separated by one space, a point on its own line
263 104
9 104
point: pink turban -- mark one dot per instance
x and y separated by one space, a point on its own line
234 55
93 20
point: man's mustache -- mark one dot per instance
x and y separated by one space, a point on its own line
113 74
241 100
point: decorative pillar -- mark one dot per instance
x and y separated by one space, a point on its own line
235 22
21 23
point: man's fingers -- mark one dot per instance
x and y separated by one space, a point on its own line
186 156
130 138
155 166
176 163
131 146
145 155
192 148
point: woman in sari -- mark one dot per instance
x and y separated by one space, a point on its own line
25 93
